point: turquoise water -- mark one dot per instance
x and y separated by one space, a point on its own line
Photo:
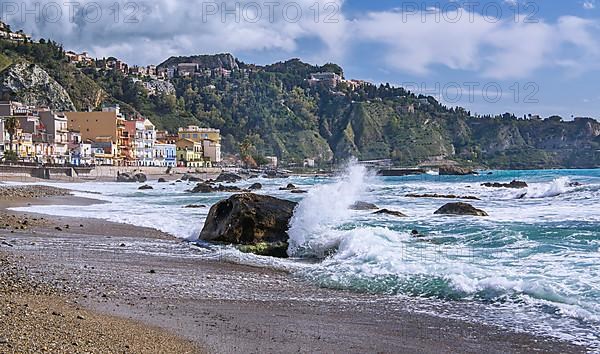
535 260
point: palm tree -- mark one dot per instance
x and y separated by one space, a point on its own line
11 124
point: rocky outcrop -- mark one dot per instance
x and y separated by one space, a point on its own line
363 206
258 223
390 212
514 184
145 188
32 85
129 178
460 209
442 196
456 171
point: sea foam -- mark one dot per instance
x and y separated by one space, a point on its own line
324 208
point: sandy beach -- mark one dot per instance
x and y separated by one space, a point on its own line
141 290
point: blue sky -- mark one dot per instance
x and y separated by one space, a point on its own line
483 55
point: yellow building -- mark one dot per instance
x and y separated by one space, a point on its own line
108 125
190 154
209 138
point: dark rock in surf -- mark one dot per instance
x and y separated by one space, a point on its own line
289 187
145 188
390 212
255 187
441 196
299 191
209 188
460 209
275 174
226 177
514 184
256 223
203 188
191 178
162 180
128 178
363 206
456 171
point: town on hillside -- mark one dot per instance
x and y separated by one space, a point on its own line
38 135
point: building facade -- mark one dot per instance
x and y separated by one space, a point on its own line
189 154
165 155
209 138
102 127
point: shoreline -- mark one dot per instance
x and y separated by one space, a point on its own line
160 281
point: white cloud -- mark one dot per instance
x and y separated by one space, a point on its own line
502 49
589 5
400 42
153 30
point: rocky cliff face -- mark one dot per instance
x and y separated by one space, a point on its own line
32 85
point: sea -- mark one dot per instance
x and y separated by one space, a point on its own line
532 265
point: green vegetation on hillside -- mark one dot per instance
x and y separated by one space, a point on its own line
84 92
4 62
275 110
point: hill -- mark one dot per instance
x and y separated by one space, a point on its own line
276 110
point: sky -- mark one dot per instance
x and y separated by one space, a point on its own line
489 56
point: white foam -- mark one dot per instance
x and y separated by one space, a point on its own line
325 207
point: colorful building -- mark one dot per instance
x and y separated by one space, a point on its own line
57 137
190 154
165 155
209 138
105 126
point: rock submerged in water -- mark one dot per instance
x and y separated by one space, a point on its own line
456 171
460 209
363 206
145 187
256 223
514 184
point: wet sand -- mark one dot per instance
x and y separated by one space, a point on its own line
158 281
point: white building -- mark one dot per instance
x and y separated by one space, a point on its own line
57 135
165 155
212 150
145 139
